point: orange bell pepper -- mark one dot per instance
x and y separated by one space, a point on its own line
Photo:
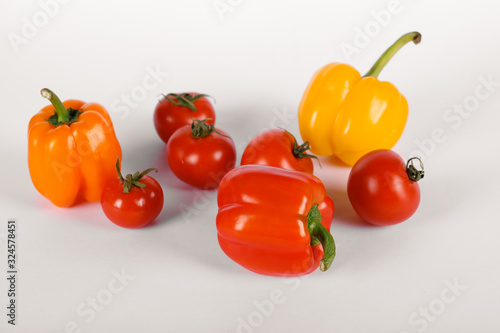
72 149
346 115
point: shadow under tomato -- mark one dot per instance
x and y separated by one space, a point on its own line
344 213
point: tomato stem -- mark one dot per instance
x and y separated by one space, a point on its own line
132 180
184 99
414 36
200 129
118 169
321 235
413 173
299 151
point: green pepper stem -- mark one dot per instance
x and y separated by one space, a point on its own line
416 37
319 234
61 111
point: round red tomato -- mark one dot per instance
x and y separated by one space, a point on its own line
177 110
278 148
134 202
200 154
380 189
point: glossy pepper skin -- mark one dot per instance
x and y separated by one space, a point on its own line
269 220
72 149
346 115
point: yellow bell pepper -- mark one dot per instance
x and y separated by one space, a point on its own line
346 115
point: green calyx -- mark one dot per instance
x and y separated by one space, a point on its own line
61 116
299 151
132 180
414 37
413 173
320 235
184 99
200 128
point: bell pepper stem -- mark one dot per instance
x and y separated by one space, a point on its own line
320 234
61 111
414 36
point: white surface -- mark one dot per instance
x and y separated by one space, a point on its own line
256 63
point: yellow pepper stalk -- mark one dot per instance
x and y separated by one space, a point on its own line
346 115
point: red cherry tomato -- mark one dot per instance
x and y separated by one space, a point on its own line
200 154
133 201
278 148
383 190
177 110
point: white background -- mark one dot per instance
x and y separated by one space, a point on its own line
256 59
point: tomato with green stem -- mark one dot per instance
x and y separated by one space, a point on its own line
132 201
383 189
278 148
177 110
200 154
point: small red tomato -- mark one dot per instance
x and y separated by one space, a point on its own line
201 155
383 190
133 201
177 110
278 148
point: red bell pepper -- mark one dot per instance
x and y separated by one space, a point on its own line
274 221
